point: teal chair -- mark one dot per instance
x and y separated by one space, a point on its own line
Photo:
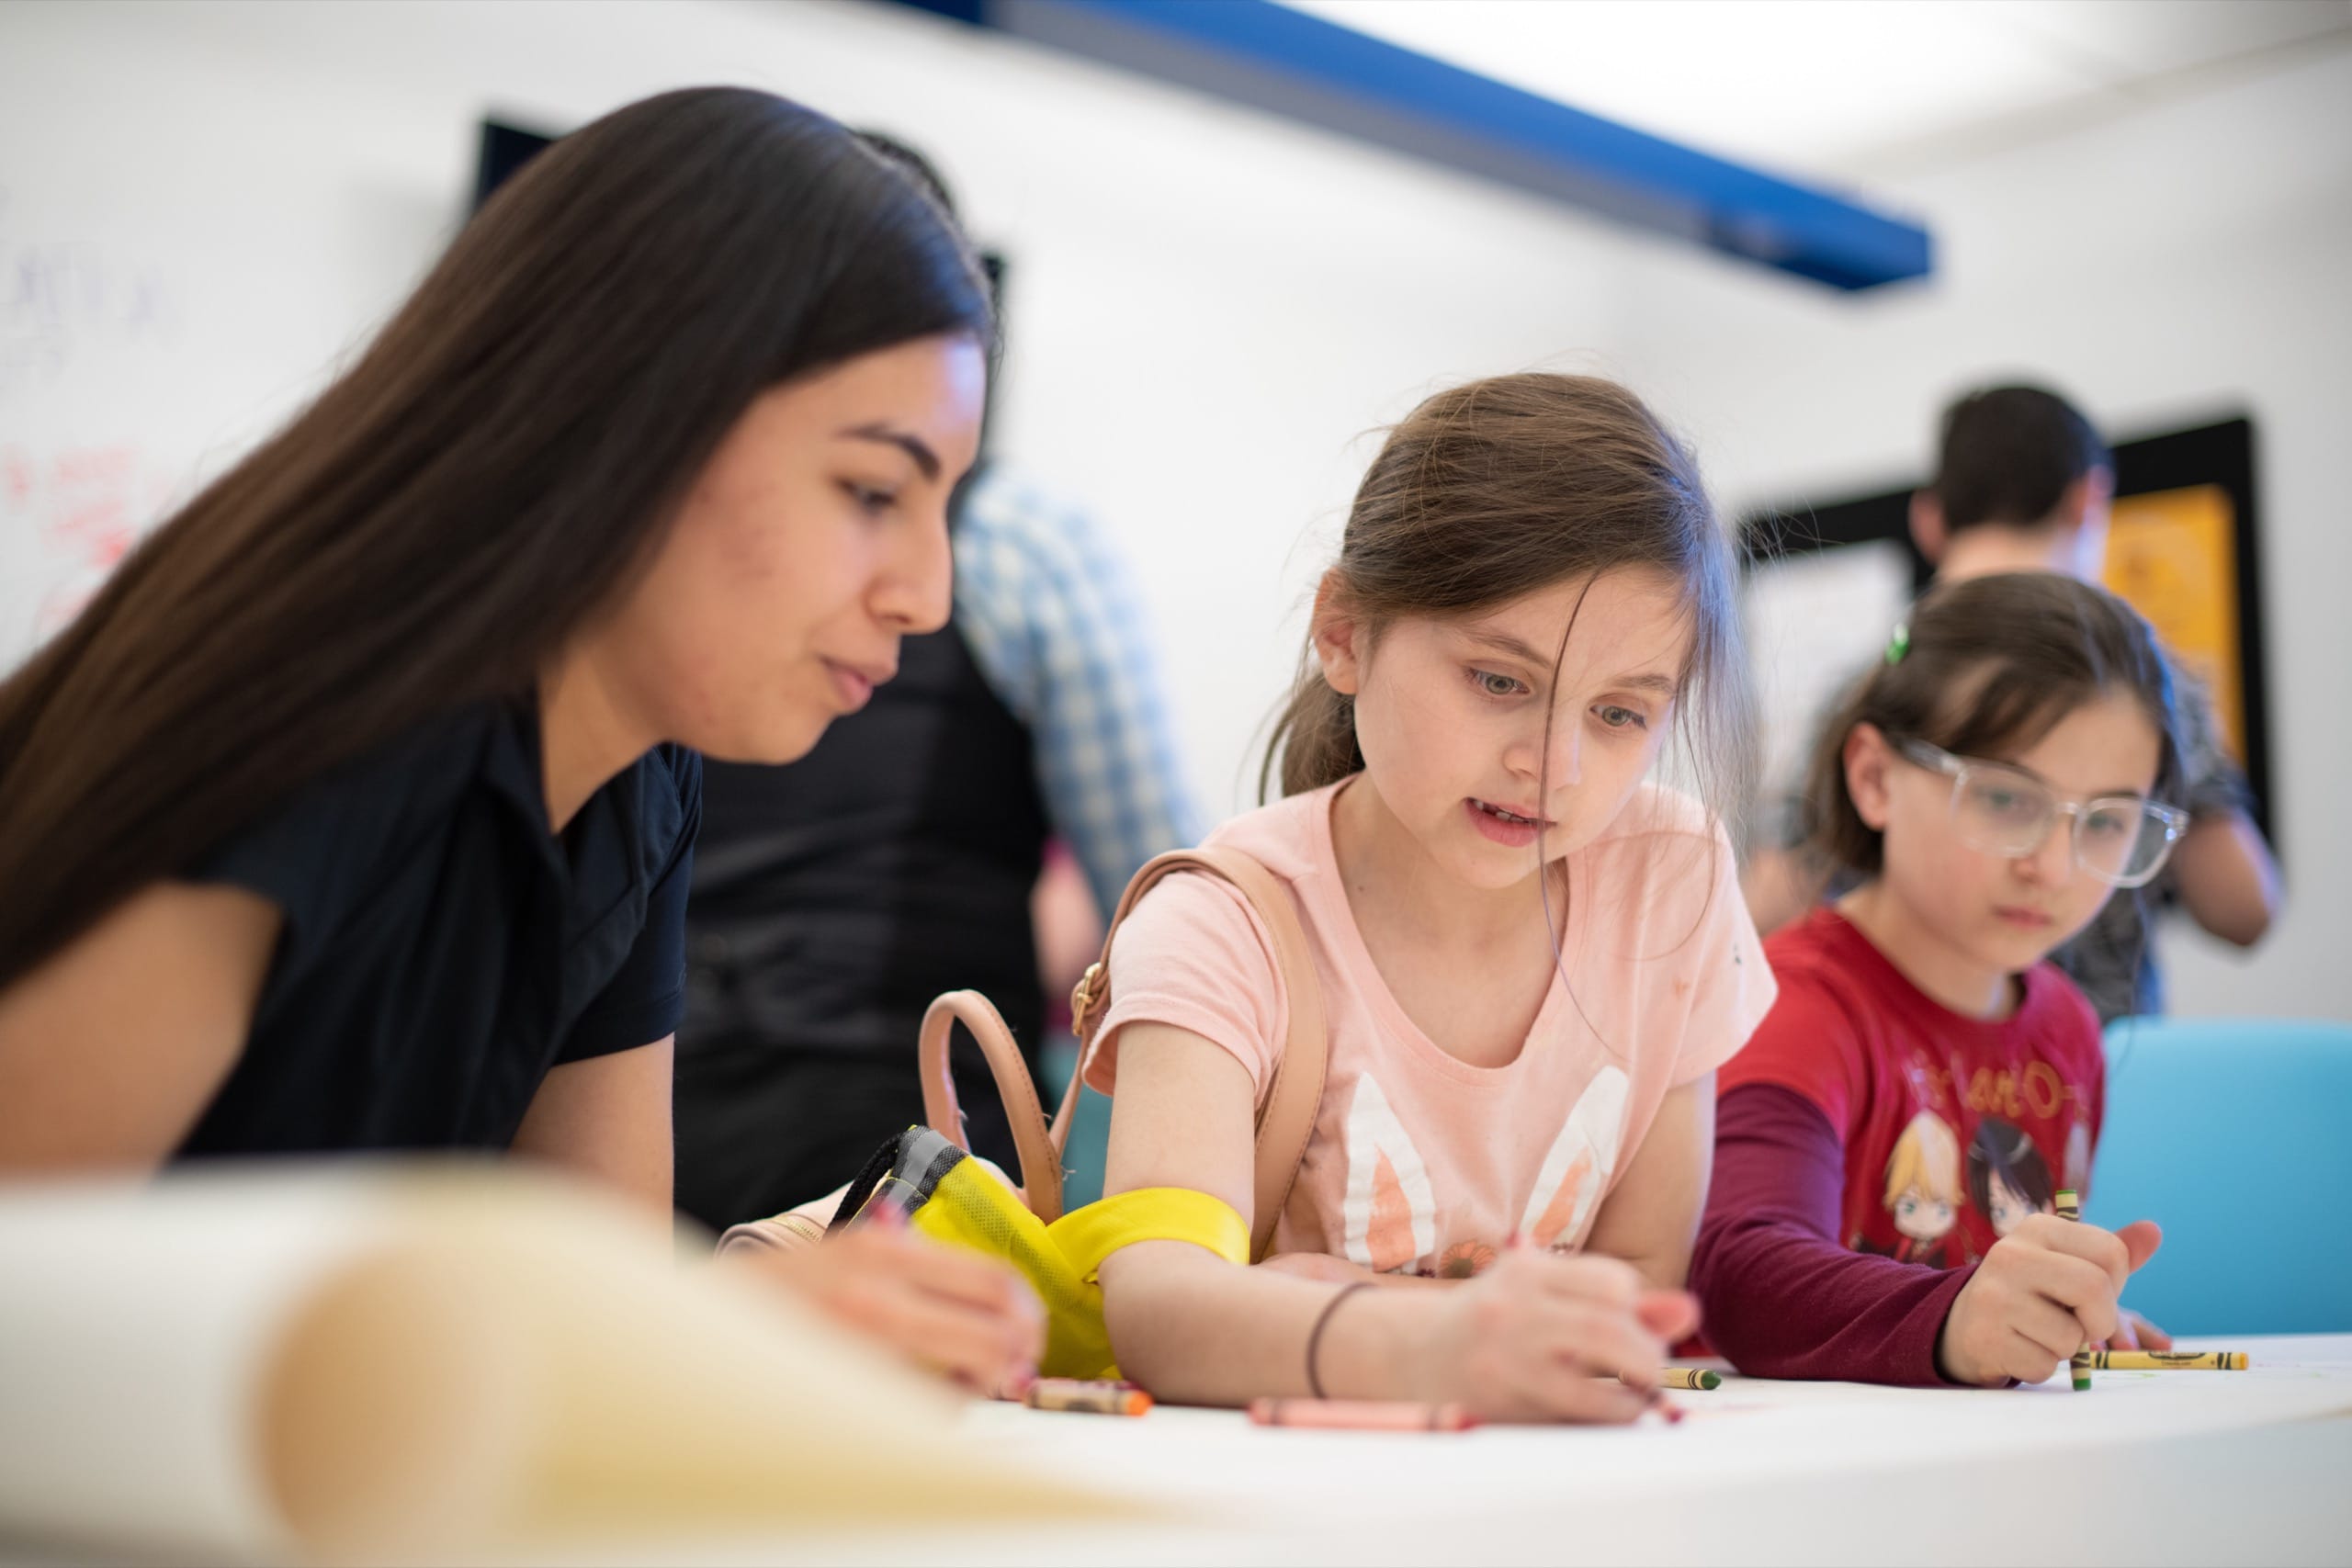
2235 1135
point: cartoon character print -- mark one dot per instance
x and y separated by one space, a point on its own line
1923 1192
2008 1178
1389 1213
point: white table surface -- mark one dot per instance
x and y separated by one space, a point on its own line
2189 1467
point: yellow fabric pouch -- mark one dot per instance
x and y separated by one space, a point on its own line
952 1198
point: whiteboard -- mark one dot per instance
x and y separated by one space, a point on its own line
84 468
167 298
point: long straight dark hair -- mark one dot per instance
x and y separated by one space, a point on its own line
496 469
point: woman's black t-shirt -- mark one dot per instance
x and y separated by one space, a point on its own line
441 949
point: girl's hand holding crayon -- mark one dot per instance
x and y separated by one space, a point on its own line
1544 1338
967 1317
2042 1292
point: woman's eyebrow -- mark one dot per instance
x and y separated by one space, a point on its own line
913 446
1655 684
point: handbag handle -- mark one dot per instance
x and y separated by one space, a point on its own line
1040 1156
1287 1119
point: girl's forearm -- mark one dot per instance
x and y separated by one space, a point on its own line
1196 1329
1782 1297
1340 1271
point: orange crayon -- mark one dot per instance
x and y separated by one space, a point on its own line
1361 1416
1085 1396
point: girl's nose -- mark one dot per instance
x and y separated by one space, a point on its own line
2053 864
1566 756
1558 759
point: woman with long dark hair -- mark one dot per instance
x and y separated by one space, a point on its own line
357 812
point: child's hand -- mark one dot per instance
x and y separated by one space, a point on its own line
970 1318
2136 1333
2045 1289
1540 1337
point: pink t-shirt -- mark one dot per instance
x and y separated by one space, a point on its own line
1421 1163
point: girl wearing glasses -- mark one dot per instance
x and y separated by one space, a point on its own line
2003 771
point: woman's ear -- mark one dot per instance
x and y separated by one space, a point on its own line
1338 638
1868 760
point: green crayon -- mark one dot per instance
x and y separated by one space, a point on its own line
2069 1205
1688 1376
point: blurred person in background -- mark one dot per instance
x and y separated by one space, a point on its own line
2023 482
902 857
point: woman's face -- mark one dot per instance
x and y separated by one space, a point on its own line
815 538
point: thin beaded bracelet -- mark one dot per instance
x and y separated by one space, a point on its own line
1315 1334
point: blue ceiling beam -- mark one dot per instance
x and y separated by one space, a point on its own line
1271 57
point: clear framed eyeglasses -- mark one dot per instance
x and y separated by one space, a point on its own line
2122 840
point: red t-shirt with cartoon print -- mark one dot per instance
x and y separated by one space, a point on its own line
1866 1118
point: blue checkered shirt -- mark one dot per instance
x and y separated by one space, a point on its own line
1052 622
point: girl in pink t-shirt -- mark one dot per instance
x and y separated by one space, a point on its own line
1532 959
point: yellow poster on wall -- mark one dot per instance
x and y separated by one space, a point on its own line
2173 556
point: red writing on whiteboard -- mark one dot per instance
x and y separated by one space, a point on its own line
88 504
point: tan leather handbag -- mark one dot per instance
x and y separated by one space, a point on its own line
1285 1117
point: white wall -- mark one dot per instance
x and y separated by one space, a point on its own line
1209 307
2189 258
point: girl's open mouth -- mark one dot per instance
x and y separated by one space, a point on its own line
1503 825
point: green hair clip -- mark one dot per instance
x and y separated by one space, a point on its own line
1900 643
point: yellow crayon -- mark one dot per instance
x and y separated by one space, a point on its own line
2169 1361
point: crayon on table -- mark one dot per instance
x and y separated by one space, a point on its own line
1361 1416
2069 1207
1688 1376
1086 1396
2169 1361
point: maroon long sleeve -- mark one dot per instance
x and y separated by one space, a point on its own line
1782 1297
